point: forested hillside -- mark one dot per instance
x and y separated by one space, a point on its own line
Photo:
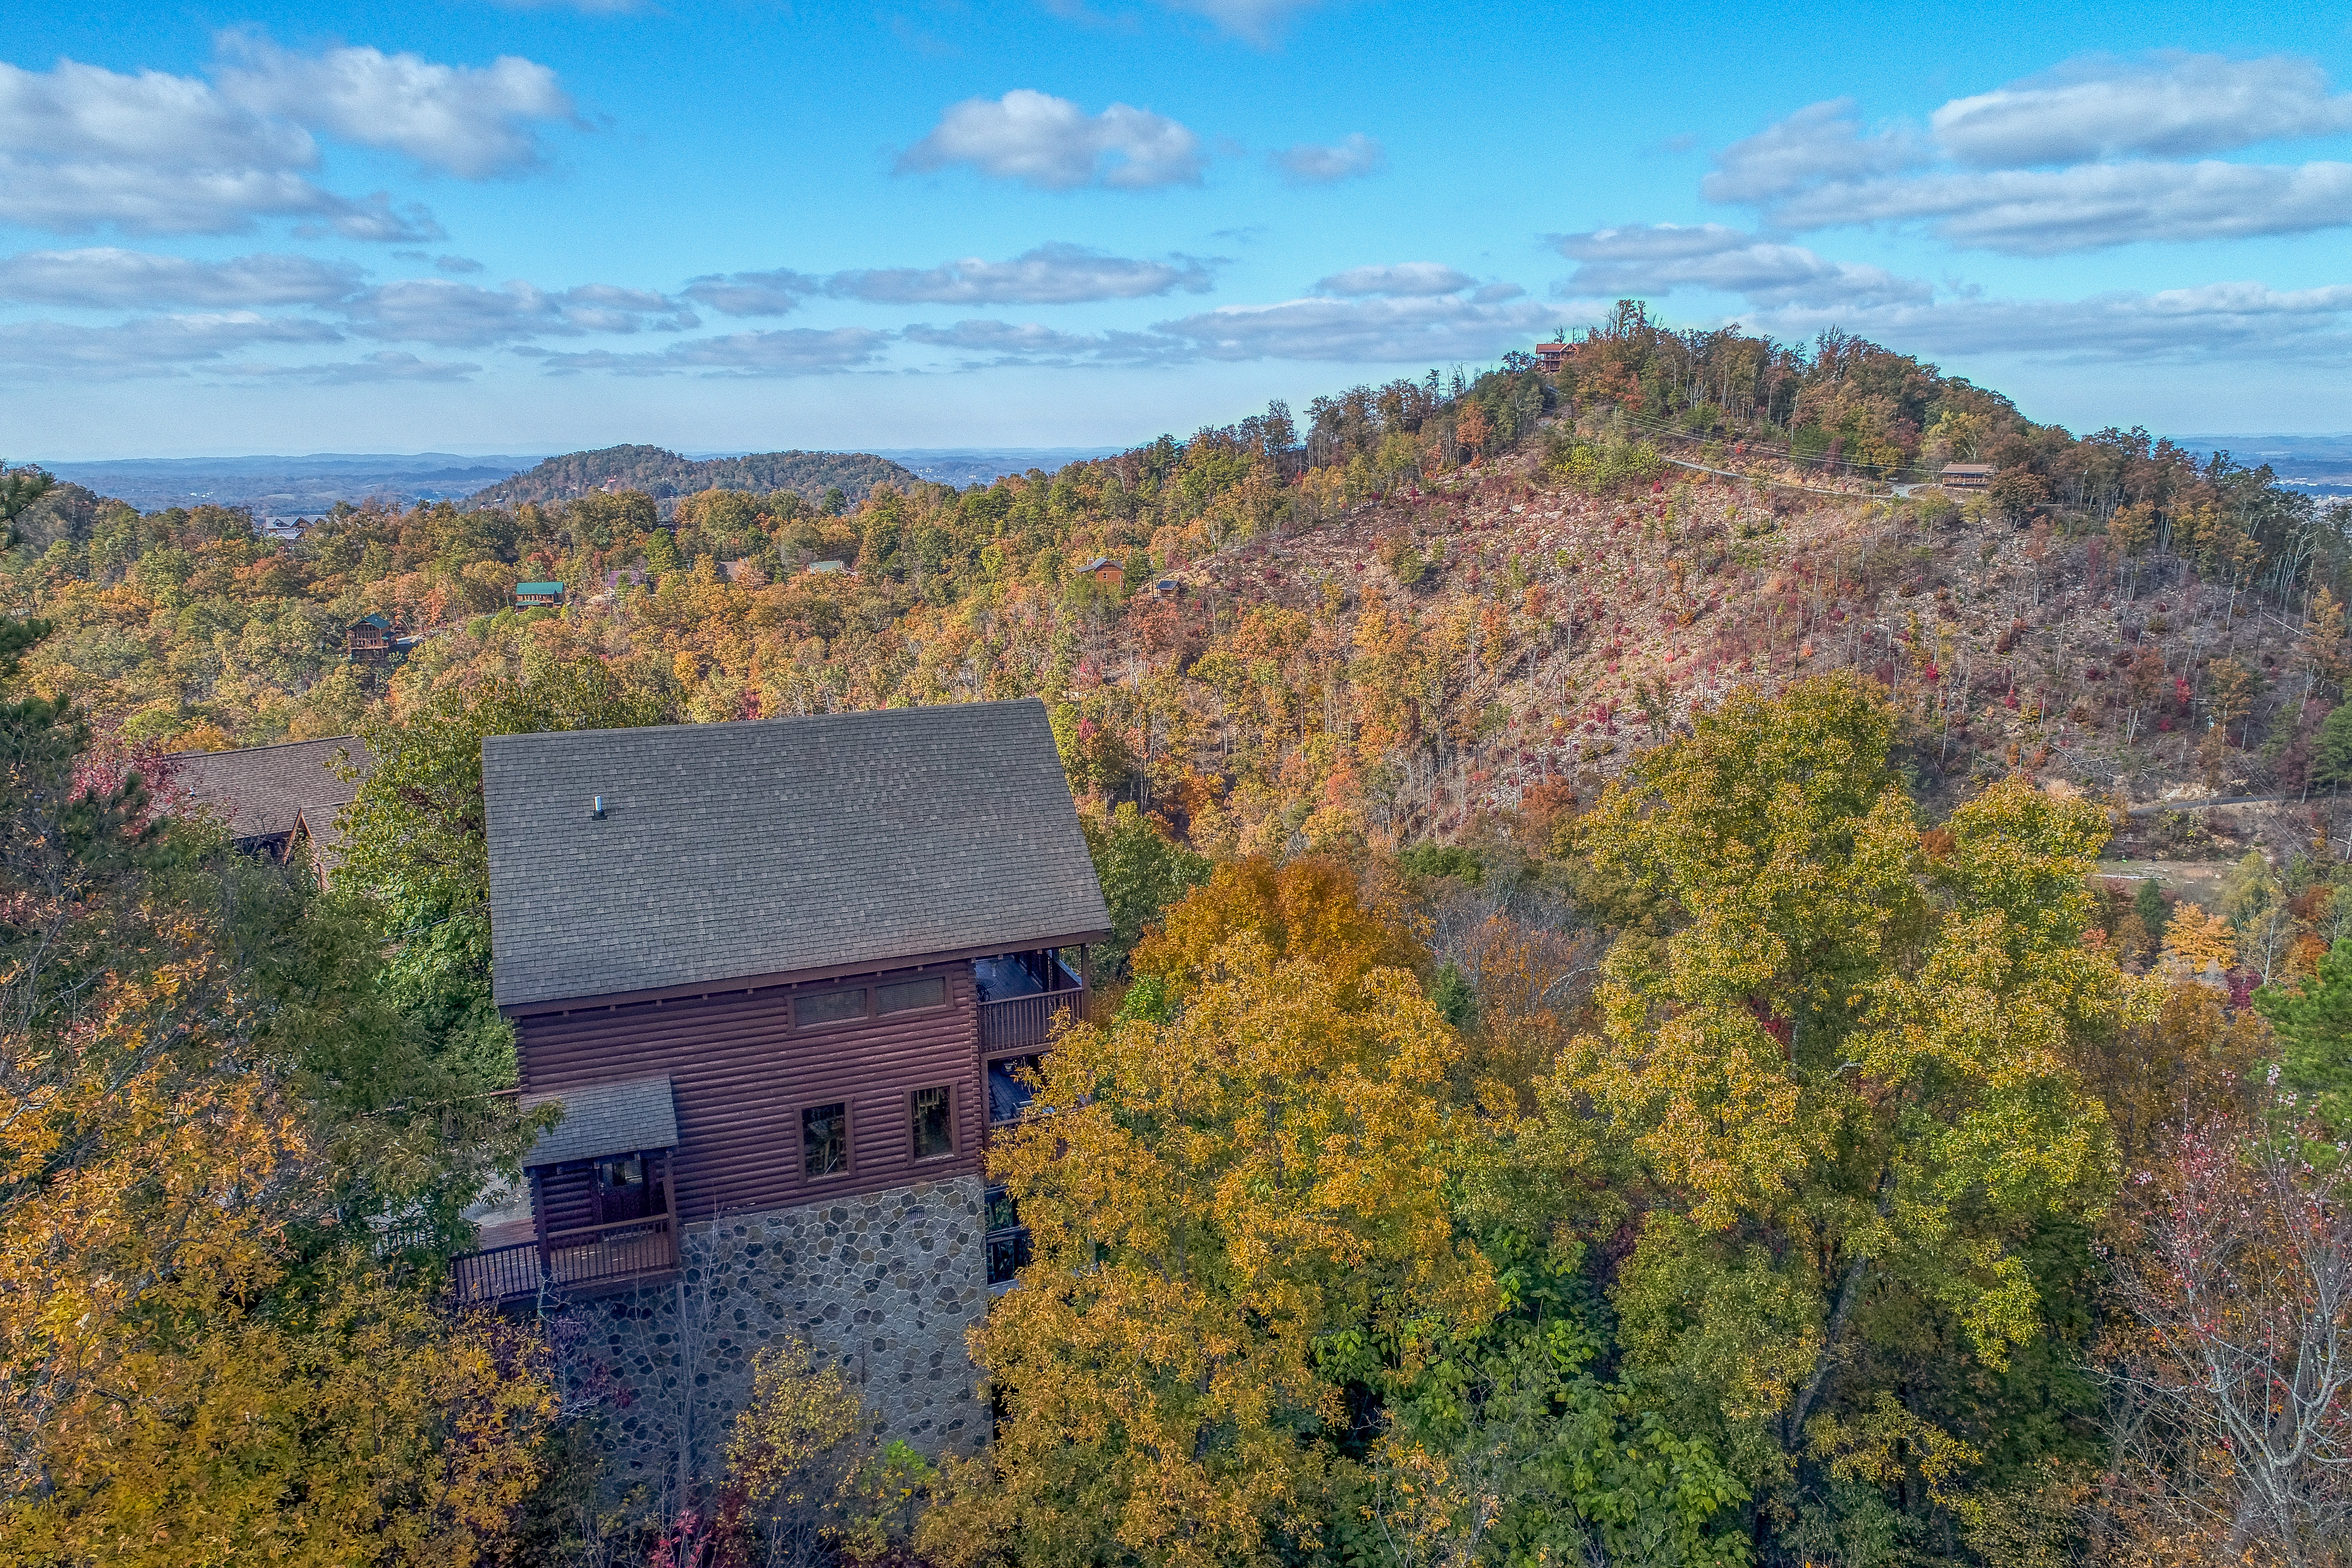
662 475
1628 1039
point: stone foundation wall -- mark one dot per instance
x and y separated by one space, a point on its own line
882 1285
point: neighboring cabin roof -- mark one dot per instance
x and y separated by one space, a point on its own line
606 1119
539 588
777 847
1968 468
262 789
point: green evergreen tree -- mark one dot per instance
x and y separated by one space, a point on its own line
2313 1023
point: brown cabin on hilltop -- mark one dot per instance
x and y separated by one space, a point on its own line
1965 476
768 965
1549 357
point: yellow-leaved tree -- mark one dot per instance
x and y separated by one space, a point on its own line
1845 1074
1242 1167
204 1358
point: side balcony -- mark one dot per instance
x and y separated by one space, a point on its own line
1024 997
590 1260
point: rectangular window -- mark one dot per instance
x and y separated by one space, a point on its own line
829 1008
932 1111
908 996
824 1140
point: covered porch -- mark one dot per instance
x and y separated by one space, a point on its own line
599 1217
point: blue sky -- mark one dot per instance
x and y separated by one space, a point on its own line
477 227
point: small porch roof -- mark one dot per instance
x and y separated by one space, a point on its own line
606 1119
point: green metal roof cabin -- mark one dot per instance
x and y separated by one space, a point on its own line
526 595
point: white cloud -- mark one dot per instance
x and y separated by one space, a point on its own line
1053 274
1009 343
1258 21
776 293
1050 144
1427 331
148 345
463 315
473 122
1408 278
2171 106
385 366
110 278
1657 258
1821 142
798 350
2046 212
83 147
374 218
1355 155
457 266
2243 321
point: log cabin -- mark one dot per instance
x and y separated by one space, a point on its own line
780 977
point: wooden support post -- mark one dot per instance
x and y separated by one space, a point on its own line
539 1221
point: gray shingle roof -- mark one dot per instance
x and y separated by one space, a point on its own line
777 845
262 789
606 1119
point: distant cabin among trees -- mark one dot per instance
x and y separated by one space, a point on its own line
1965 476
279 802
535 596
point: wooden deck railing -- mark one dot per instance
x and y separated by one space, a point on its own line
588 1257
1024 1023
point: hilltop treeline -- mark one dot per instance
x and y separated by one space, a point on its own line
664 474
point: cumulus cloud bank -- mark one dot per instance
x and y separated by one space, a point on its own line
83 147
2082 159
1407 277
2170 106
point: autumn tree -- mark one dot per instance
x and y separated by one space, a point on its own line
1471 428
2234 1265
209 1122
1215 1196
1844 1073
1301 909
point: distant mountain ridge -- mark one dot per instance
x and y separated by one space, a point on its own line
285 486
663 474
